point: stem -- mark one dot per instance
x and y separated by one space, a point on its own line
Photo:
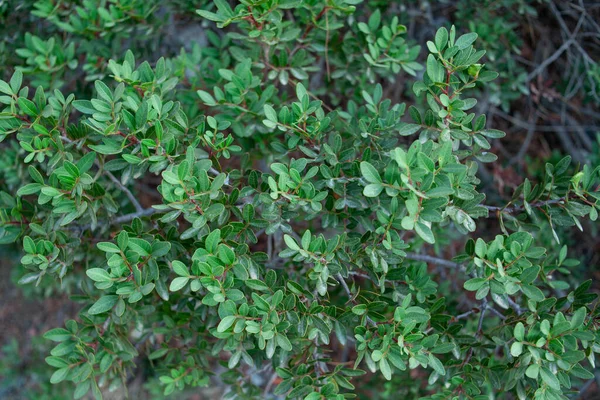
342 282
514 209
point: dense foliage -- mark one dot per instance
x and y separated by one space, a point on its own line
259 203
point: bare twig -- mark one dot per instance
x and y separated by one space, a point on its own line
433 260
550 59
530 133
498 313
119 220
484 306
342 282
515 209
541 128
514 305
130 196
270 384
146 212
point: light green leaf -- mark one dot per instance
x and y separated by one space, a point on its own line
226 323
369 172
373 190
549 378
178 283
98 275
104 304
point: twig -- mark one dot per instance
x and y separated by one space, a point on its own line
129 217
514 209
433 260
119 220
564 46
270 384
342 282
586 387
540 128
530 133
550 59
516 307
484 306
130 196
464 315
498 313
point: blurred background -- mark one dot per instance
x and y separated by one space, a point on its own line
547 100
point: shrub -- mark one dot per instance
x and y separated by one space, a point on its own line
260 203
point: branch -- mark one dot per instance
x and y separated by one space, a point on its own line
565 45
145 212
550 59
539 128
134 201
433 260
484 306
514 209
342 282
136 204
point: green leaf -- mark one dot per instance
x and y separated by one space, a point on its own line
270 113
59 375
207 98
104 304
516 349
28 106
533 371
290 242
284 342
108 247
369 172
533 292
30 188
475 284
212 241
436 364
465 40
578 318
443 348
16 81
373 190
549 378
435 70
58 335
103 91
29 245
359 309
178 283
179 268
424 232
98 275
300 91
158 353
5 88
84 106
581 372
441 39
480 248
493 133
85 163
140 246
519 332
385 369
255 284
226 323
209 15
